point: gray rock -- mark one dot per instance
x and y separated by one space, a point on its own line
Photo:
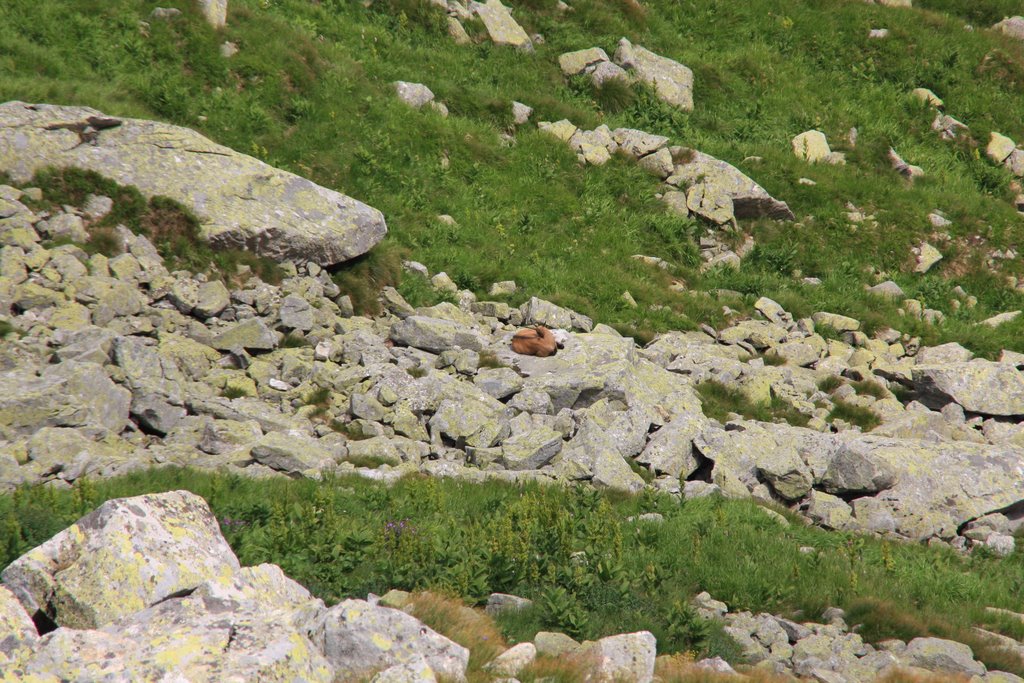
629 656
749 199
503 602
980 386
291 453
256 207
942 656
539 312
513 660
359 638
554 644
415 95
531 450
16 627
154 414
887 289
670 449
499 383
435 335
856 468
252 335
501 27
671 80
70 394
166 543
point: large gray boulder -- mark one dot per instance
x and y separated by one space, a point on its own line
359 638
942 656
146 548
240 201
749 199
625 657
980 386
501 27
68 394
240 627
1011 26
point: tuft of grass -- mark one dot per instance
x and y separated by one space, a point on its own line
173 229
417 372
362 278
865 418
615 95
234 392
294 340
369 461
869 387
6 329
773 359
718 400
489 359
830 383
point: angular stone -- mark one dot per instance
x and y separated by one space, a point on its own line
573 63
154 414
979 385
811 146
670 449
251 335
296 313
256 207
359 638
839 323
942 656
927 256
416 95
291 453
749 199
145 548
513 660
211 298
215 12
638 143
539 312
531 450
435 334
857 469
999 147
501 27
70 394
629 656
671 80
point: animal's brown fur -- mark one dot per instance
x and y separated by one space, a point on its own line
536 341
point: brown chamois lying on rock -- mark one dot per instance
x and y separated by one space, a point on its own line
538 341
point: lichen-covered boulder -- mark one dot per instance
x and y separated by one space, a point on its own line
145 548
69 394
980 386
359 638
435 334
501 27
241 202
1011 26
16 628
749 199
671 80
625 657
290 453
246 627
942 656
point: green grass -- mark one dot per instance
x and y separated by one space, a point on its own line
830 383
310 92
871 388
718 400
859 416
234 392
347 537
294 340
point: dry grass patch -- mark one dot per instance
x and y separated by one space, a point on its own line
470 628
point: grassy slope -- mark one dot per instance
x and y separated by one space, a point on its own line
309 92
348 537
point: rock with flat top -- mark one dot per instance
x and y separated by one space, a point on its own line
240 201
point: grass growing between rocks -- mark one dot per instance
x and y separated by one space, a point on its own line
590 572
310 92
171 227
718 400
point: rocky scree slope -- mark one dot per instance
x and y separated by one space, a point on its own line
117 364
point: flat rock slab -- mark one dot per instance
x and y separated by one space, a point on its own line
980 386
240 201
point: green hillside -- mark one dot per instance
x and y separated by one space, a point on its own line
310 91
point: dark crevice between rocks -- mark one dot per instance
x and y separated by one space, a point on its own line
183 593
44 623
1014 512
704 467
